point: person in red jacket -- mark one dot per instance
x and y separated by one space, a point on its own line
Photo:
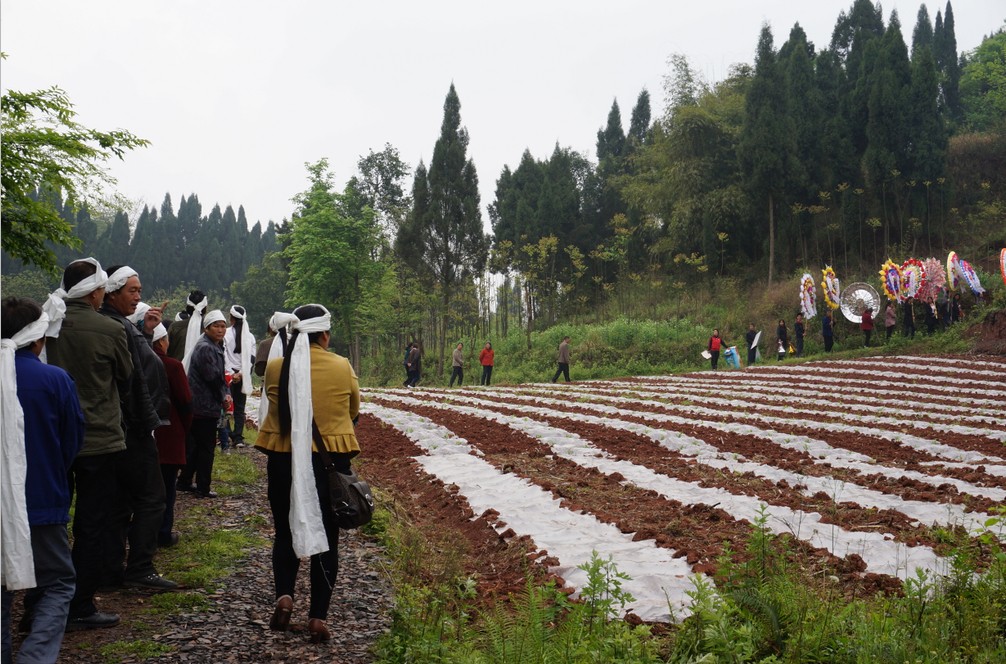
171 438
867 325
715 343
486 360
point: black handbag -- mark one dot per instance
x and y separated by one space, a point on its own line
350 496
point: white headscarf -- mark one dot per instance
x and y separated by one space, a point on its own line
247 351
141 310
118 279
215 316
305 513
159 333
194 329
55 307
279 321
18 567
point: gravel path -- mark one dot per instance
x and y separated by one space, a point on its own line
233 627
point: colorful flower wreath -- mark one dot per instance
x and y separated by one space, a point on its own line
970 277
953 277
890 279
913 278
936 279
808 296
1002 263
831 287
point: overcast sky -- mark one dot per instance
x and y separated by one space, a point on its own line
236 96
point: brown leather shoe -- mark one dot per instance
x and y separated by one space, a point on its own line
281 615
318 631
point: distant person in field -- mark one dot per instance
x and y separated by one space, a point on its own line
890 320
487 359
798 329
457 365
781 340
956 312
298 487
931 319
714 346
40 444
908 313
827 331
414 365
752 349
866 325
563 360
943 307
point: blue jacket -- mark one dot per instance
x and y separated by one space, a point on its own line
53 435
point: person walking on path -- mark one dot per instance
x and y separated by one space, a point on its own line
93 349
781 340
239 358
43 430
457 365
209 394
171 439
752 349
715 343
563 360
798 329
486 359
866 325
890 320
827 331
307 380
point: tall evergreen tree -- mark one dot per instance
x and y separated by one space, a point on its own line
922 35
639 123
767 146
945 55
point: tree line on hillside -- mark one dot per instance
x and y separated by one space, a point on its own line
841 155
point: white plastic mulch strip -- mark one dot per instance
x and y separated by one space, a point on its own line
952 371
820 450
879 551
925 513
932 447
832 412
823 384
659 581
928 361
990 387
775 393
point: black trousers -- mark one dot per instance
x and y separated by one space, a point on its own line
487 374
203 435
137 513
714 359
866 337
285 563
829 341
458 373
94 481
752 356
564 370
239 398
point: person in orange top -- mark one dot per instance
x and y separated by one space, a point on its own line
486 360
867 325
308 375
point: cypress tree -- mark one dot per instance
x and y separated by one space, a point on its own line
945 55
767 144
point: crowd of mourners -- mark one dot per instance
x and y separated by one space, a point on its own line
937 316
107 404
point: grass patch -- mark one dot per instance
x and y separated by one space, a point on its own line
138 650
178 602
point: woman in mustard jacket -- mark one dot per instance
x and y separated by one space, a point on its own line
307 381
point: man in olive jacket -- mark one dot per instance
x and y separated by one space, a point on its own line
139 507
93 350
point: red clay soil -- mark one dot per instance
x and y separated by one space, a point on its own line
990 334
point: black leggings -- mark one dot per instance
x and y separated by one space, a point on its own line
487 373
285 563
